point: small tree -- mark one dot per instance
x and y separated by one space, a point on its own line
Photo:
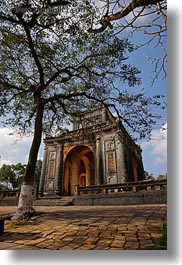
149 176
7 176
12 175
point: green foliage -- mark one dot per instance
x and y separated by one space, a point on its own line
12 175
162 242
161 176
7 176
38 171
149 175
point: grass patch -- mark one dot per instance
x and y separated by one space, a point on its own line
162 242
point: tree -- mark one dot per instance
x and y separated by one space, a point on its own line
38 171
162 176
149 176
19 171
12 175
51 68
7 176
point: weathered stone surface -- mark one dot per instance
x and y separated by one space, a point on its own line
153 197
85 228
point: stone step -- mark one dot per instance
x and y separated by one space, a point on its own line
62 201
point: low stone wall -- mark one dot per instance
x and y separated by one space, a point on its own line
9 201
118 198
128 198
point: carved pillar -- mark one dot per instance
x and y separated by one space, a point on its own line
140 167
99 166
59 169
43 172
122 162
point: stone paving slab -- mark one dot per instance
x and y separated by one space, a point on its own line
86 228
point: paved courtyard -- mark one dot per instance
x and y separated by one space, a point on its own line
86 228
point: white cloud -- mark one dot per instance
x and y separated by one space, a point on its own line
13 148
4 161
160 160
158 145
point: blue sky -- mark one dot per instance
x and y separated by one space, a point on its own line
154 151
14 150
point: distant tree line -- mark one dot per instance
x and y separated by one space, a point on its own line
11 176
150 176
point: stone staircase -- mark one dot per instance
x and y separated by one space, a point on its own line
54 201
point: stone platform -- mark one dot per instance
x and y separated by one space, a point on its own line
131 227
123 198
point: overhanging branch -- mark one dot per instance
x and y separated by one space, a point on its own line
106 19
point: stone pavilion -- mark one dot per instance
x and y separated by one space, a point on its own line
97 151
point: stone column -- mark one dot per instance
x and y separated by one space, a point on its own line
141 168
43 172
130 171
59 169
99 166
121 162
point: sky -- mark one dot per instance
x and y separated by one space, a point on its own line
154 152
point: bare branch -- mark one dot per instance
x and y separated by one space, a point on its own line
106 19
32 49
161 13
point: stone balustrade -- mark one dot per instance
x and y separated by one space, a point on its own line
9 193
145 185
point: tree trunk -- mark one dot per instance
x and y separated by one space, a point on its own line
25 209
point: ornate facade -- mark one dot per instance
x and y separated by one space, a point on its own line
97 151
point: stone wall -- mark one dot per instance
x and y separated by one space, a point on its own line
11 201
129 198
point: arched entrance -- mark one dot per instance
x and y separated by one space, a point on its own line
79 169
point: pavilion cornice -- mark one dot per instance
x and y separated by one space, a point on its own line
83 133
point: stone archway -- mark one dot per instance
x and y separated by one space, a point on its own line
79 169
